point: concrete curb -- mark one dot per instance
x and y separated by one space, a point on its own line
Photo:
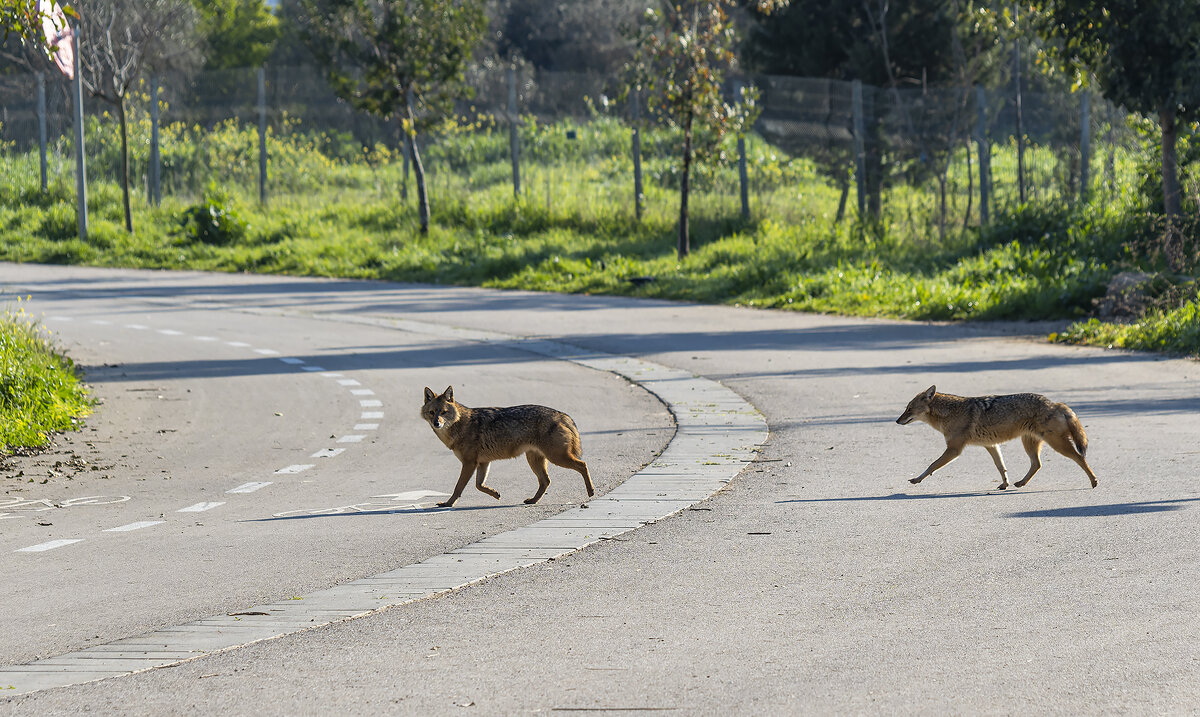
718 433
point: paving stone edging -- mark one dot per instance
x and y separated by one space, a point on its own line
717 434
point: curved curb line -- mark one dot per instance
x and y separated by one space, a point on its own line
717 434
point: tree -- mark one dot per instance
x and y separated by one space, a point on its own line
393 57
566 36
1143 55
685 47
237 33
120 40
23 28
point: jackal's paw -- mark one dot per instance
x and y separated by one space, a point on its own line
530 501
1094 484
1002 486
446 504
915 480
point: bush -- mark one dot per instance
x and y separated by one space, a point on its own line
213 220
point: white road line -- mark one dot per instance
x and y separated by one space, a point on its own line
249 487
348 382
292 361
311 368
48 546
351 439
293 469
366 426
237 344
328 453
332 374
266 352
200 507
59 318
101 322
372 414
362 392
205 338
138 327
134 526
371 403
170 332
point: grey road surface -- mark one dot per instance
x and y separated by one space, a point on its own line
821 581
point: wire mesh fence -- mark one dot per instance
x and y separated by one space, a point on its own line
926 162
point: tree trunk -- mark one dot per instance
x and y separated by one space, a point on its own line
124 163
684 240
418 172
841 210
1170 165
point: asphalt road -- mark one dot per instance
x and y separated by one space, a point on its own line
820 581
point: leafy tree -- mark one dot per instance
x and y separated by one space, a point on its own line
684 49
1143 55
237 33
22 38
397 58
566 36
123 38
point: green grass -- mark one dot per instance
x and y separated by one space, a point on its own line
335 210
40 391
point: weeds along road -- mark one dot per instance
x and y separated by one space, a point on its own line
820 580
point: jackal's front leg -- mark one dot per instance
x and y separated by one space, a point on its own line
468 467
999 460
950 454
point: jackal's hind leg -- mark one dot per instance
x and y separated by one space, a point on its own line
480 476
999 461
1064 446
538 463
1033 446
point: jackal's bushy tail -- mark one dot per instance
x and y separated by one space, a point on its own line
1077 434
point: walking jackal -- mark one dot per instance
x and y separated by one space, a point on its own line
989 421
478 436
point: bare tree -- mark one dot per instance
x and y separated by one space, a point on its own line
120 40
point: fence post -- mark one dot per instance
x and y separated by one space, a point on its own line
155 171
80 163
514 136
985 155
635 116
41 114
743 178
262 136
860 158
1020 118
1085 138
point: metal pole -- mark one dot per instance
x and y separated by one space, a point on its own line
1020 119
155 161
41 113
1085 138
514 137
860 154
262 136
80 164
985 155
635 115
743 178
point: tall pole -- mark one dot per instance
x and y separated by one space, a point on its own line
743 176
985 155
155 161
1020 121
635 115
262 136
41 114
860 154
80 164
1085 138
514 136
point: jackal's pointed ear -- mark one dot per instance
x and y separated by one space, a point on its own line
930 391
449 394
429 394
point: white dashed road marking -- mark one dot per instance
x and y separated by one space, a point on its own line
200 507
371 414
366 426
311 368
351 439
292 361
293 469
134 526
348 382
371 403
249 487
328 453
41 547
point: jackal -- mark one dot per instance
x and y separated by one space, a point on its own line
989 421
478 436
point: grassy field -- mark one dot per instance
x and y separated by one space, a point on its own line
335 210
40 391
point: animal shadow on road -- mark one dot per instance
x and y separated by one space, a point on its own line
1077 511
363 513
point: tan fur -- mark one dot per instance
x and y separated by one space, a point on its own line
478 436
989 421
